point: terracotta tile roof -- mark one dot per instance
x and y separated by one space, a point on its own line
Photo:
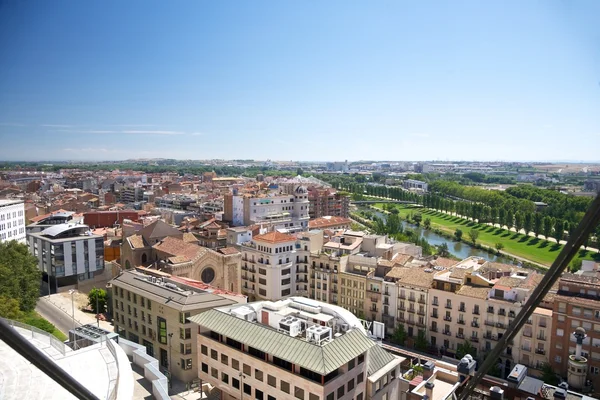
178 248
189 237
445 262
274 237
228 251
459 273
474 291
509 282
136 242
401 259
328 222
411 276
213 225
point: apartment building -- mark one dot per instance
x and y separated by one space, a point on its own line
154 312
294 348
328 202
268 263
577 305
67 254
12 220
476 301
275 210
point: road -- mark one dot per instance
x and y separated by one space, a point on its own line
57 317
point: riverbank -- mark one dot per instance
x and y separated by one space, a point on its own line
519 246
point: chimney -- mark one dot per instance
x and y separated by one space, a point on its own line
429 389
496 393
428 369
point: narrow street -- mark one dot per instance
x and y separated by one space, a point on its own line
54 315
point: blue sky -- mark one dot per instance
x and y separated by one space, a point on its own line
300 80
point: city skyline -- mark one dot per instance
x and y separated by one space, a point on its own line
500 81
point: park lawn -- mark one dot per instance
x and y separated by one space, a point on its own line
527 247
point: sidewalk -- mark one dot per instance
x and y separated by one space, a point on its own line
62 302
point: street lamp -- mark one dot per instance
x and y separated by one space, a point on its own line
170 351
72 292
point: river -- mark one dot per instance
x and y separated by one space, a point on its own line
461 250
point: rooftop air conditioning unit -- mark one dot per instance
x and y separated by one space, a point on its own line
291 325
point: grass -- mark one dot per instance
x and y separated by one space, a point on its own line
35 319
519 245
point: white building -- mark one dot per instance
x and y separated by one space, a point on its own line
12 220
67 254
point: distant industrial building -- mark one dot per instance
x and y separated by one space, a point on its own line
415 185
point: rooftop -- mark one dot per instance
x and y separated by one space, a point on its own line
163 291
274 237
317 336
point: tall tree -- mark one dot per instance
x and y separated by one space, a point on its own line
538 224
559 230
501 216
509 220
548 226
19 274
474 234
528 222
494 215
518 221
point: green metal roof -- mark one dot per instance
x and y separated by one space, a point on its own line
322 359
378 358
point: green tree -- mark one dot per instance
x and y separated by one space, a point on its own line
458 234
548 226
393 224
299 172
538 224
528 222
494 215
399 336
501 216
499 246
427 223
519 220
417 218
19 274
443 250
473 234
421 342
559 229
465 348
9 308
549 376
509 219
97 300
575 265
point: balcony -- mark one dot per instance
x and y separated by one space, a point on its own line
421 300
421 312
528 322
402 296
374 299
475 324
460 321
401 307
474 339
434 315
476 311
500 325
541 337
490 310
447 333
449 306
525 348
542 324
435 304
460 335
447 318
540 351
410 322
411 310
433 329
401 318
421 324
502 313
490 337
511 314
386 301
462 309
489 323
411 299
527 334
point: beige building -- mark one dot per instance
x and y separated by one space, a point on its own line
154 312
293 349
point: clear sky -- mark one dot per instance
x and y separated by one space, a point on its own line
300 80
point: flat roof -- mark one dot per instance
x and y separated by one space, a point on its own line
10 202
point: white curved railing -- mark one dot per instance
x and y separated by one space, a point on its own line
111 345
38 333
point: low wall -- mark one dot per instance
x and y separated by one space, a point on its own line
160 384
